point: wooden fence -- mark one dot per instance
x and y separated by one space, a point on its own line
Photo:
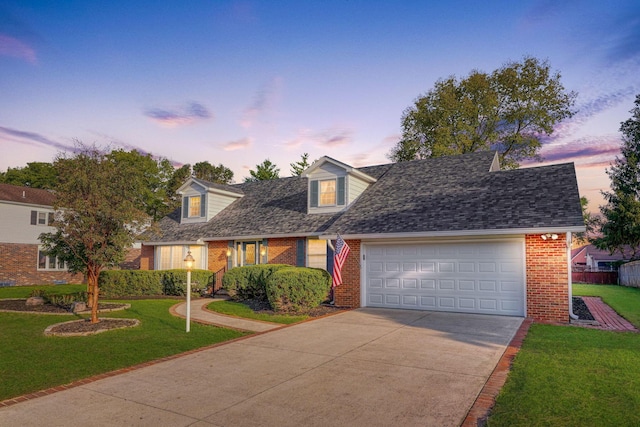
598 277
630 274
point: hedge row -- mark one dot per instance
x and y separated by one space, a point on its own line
126 283
286 288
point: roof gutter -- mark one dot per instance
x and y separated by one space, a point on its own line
458 233
572 315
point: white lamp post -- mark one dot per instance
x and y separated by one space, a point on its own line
188 262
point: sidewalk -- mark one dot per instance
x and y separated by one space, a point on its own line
199 313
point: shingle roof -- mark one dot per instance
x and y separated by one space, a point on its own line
455 193
28 195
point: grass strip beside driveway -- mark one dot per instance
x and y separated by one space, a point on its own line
571 376
32 361
237 309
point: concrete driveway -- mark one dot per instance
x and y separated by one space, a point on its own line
367 367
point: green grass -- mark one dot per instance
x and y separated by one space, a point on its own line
624 300
30 361
25 291
571 376
241 310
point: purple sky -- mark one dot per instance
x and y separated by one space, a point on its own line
235 82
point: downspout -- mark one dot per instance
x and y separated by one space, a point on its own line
571 314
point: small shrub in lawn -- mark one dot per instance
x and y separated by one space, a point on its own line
38 293
297 288
249 282
66 300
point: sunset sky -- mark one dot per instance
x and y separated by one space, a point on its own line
236 82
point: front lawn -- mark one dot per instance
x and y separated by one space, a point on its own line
241 310
571 376
31 361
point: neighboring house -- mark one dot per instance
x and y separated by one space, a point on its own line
447 234
590 258
25 213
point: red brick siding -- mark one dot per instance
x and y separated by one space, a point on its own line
282 251
146 257
19 264
547 279
348 294
217 254
131 260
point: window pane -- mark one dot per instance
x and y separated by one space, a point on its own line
52 262
42 260
196 253
317 253
249 253
165 258
61 265
42 218
177 256
194 206
328 192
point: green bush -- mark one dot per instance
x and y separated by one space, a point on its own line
125 283
66 300
297 288
249 282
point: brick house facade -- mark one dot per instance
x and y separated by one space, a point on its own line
498 239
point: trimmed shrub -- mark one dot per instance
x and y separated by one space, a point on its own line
249 282
126 283
297 288
174 282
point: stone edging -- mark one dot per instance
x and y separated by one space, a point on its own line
48 331
125 306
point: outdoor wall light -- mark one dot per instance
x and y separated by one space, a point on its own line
549 236
228 253
263 251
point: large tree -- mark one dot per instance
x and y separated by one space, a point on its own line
97 214
264 171
220 174
35 175
508 110
590 221
621 214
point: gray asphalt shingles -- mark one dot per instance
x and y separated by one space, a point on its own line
456 193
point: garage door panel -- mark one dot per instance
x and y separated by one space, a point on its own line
478 277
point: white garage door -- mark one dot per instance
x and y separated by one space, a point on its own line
470 277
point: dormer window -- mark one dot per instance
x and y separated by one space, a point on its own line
328 192
193 207
195 204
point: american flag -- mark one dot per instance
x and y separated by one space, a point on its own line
339 257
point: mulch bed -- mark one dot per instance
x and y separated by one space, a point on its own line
581 310
20 305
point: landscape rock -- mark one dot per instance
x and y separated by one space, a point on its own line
33 301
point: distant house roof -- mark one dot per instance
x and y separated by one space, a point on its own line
446 194
579 255
28 195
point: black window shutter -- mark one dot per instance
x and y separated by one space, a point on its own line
185 207
50 218
203 207
230 257
314 194
34 217
330 260
341 190
300 255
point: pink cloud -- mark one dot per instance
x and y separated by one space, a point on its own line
262 102
186 115
13 47
238 144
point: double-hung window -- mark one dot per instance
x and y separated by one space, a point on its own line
194 206
328 192
49 262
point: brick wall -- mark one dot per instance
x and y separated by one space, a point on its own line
19 265
131 260
282 251
146 257
348 294
547 279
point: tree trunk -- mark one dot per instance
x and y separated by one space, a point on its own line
92 283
